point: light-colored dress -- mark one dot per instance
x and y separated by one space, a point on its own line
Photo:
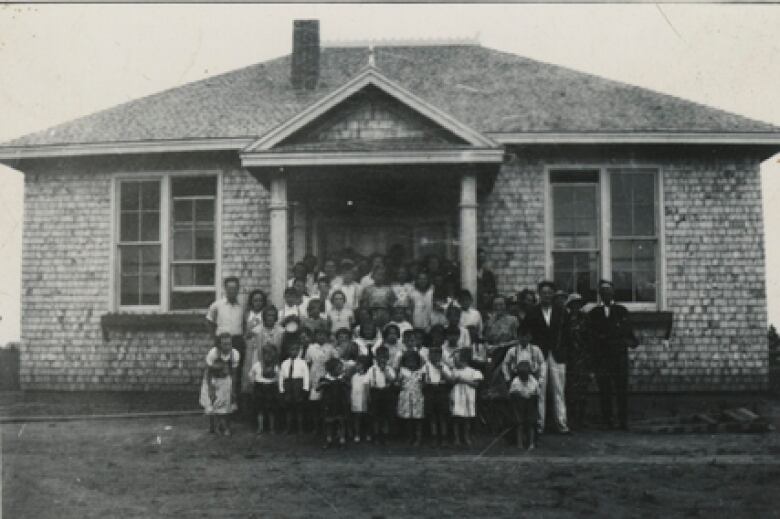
463 398
340 319
359 392
422 306
216 392
411 402
316 357
263 338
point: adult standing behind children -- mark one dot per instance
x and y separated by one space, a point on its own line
548 323
226 316
611 336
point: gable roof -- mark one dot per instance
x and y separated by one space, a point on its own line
370 77
491 92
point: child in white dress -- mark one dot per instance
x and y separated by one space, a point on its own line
463 397
359 395
217 394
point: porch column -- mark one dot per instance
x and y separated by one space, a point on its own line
299 230
278 213
468 232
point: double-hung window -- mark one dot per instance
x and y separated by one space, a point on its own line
604 223
166 244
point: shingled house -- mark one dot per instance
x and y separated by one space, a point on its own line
134 215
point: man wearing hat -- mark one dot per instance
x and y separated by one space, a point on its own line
611 336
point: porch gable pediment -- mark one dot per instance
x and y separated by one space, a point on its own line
368 113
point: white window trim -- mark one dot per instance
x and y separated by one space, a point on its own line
165 238
605 213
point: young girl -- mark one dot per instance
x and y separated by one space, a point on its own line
294 382
463 397
454 314
317 355
359 393
469 316
381 401
264 374
437 395
368 338
315 319
411 403
398 318
334 401
265 334
349 287
524 394
390 340
217 394
338 315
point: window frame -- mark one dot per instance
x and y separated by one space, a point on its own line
605 230
166 238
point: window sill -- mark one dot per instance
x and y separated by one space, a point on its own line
189 321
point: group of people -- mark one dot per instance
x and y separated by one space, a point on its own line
360 346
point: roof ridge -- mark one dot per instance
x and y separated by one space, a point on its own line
403 42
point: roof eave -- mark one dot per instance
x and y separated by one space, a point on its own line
707 138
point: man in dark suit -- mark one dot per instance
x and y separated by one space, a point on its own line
612 335
547 324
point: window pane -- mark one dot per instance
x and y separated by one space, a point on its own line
194 186
129 196
150 226
190 300
633 270
204 244
150 195
129 260
183 275
128 291
128 226
575 216
182 245
577 272
150 258
204 275
633 202
150 290
204 210
182 211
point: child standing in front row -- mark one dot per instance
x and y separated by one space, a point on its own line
524 394
217 394
437 395
411 403
334 401
294 383
359 394
463 398
264 374
381 401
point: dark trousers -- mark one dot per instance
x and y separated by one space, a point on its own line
612 380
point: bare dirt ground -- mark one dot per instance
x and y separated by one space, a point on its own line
172 467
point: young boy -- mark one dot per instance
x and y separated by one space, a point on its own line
292 305
317 355
436 390
294 384
524 394
264 374
381 394
314 319
523 351
335 402
359 395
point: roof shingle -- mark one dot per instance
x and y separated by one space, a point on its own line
489 90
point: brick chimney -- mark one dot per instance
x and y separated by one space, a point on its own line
305 70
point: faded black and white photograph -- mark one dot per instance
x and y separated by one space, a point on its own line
389 260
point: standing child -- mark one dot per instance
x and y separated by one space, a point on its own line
264 374
381 395
294 383
411 403
469 316
463 398
317 355
524 394
359 394
217 394
368 338
292 305
437 395
339 315
398 318
390 340
315 319
334 401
